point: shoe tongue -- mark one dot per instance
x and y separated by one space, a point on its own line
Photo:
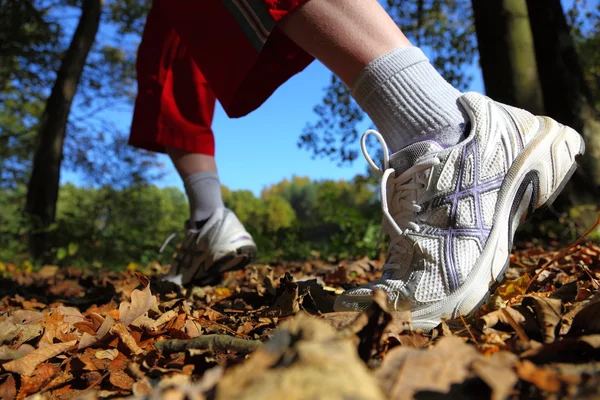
408 156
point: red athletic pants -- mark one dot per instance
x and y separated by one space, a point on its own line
194 52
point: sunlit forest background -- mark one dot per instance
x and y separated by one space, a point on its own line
56 74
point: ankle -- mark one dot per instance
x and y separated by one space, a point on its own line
204 194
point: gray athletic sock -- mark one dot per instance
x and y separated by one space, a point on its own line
409 101
204 194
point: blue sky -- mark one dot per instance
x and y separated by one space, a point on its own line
261 149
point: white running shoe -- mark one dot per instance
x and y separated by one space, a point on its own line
451 213
220 245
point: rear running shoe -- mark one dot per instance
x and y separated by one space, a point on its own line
451 213
220 245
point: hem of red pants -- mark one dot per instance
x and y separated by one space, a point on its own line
190 144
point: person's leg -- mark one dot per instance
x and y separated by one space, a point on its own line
173 114
393 82
201 182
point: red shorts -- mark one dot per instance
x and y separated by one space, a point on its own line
195 51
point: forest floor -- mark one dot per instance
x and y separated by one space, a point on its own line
269 332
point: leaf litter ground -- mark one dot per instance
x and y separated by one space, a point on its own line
269 332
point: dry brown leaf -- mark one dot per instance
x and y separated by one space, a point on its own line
514 288
341 320
71 314
151 324
47 271
287 302
587 321
120 379
8 388
141 388
412 340
8 331
26 317
7 353
405 372
498 373
55 327
294 362
492 319
548 312
141 302
109 354
192 328
26 365
122 332
544 378
88 340
29 332
31 384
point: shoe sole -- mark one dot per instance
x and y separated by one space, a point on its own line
531 183
230 262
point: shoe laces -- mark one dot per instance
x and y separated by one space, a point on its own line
398 195
173 235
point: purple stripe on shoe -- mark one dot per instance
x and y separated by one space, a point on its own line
241 238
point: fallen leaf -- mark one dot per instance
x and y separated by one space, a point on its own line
544 378
121 331
8 331
549 313
287 301
109 354
587 321
513 288
293 361
406 372
8 388
7 353
120 379
31 384
141 302
88 340
499 316
192 328
141 388
26 365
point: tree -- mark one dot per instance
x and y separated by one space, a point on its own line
42 191
507 60
48 131
567 97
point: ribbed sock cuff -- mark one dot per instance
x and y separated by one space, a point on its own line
408 100
204 194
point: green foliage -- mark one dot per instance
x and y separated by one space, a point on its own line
293 220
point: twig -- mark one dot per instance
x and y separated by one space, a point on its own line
468 330
96 382
511 321
562 253
208 342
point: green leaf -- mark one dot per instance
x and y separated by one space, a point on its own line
72 248
61 253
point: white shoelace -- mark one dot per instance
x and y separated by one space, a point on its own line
398 204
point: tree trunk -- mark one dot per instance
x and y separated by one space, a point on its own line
506 52
42 190
566 95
